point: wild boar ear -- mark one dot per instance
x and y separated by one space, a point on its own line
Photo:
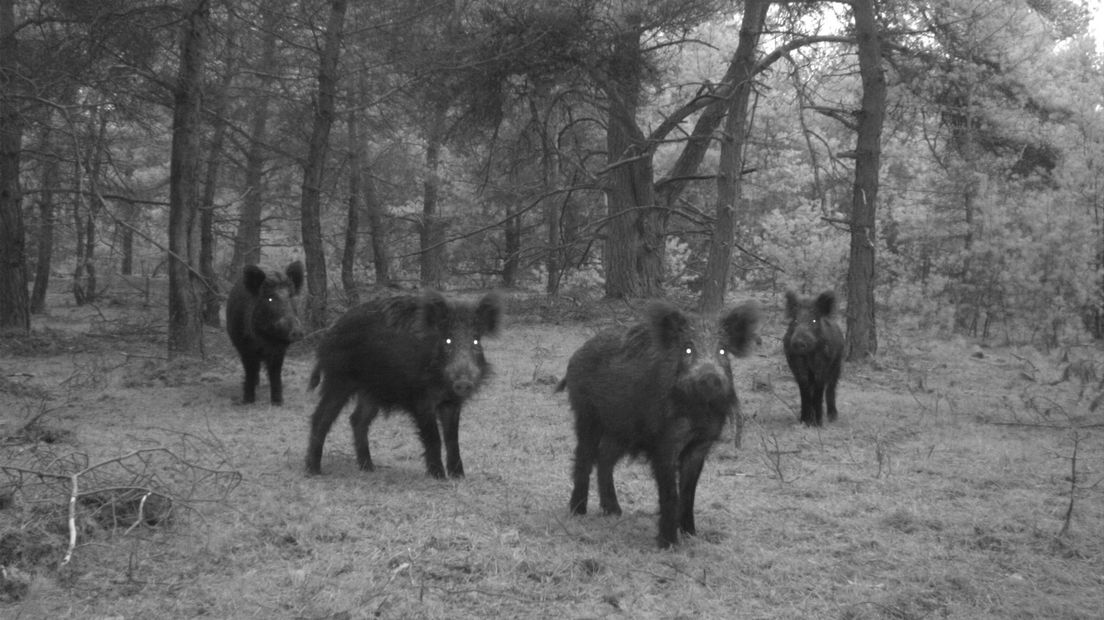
826 303
488 314
668 323
294 273
740 328
434 311
253 277
791 305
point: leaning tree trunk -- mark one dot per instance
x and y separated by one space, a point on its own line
310 205
862 341
14 306
185 327
733 141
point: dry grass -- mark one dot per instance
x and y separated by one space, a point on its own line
940 493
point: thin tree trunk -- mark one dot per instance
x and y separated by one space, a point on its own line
247 238
89 281
84 276
733 142
378 225
14 307
862 341
314 167
212 299
352 220
126 239
431 234
185 326
553 212
511 229
51 173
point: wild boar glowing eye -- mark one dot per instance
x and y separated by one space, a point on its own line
689 351
475 342
448 341
721 352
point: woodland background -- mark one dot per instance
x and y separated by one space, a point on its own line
577 147
936 162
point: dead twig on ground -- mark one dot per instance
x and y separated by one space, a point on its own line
141 487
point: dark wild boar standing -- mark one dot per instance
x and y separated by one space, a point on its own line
418 353
263 320
813 345
662 390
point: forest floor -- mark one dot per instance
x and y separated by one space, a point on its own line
961 481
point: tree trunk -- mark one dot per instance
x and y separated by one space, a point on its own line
185 327
247 238
314 167
511 229
212 299
14 307
126 238
634 248
554 257
378 225
431 235
553 210
352 221
51 173
84 276
733 141
862 341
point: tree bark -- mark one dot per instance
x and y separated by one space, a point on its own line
84 220
431 234
247 239
377 223
314 167
14 307
212 298
352 220
511 229
634 247
128 212
733 142
47 209
185 327
862 341
553 210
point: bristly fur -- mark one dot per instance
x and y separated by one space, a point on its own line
661 389
262 321
416 353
